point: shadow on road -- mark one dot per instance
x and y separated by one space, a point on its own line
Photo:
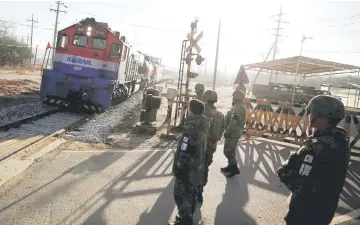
350 196
158 214
259 161
93 164
230 211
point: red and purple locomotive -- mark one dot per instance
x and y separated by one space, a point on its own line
94 68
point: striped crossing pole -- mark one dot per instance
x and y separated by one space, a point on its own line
169 111
357 138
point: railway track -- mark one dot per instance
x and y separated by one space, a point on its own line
17 136
20 135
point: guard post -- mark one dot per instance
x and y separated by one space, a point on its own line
151 104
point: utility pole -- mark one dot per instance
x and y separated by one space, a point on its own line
279 21
31 37
56 24
205 67
215 64
36 52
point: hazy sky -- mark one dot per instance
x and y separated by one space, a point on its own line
161 25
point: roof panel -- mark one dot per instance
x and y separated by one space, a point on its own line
306 65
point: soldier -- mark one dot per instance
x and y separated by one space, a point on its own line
189 162
316 173
235 121
199 88
215 133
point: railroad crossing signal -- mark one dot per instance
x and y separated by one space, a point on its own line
194 42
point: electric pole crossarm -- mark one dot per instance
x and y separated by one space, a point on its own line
31 37
57 10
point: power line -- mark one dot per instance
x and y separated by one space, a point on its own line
27 25
338 33
334 52
335 25
336 19
142 26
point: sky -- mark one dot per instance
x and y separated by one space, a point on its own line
158 27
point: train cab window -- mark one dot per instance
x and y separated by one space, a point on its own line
124 53
114 51
99 43
80 40
62 41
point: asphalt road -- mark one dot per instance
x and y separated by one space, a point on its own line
135 186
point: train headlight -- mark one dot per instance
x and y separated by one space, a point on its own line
89 29
88 33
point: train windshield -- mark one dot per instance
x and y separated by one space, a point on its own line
80 40
99 43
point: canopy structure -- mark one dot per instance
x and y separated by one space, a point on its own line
304 65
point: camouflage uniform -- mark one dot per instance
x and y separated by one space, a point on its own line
199 89
235 121
188 166
215 131
316 173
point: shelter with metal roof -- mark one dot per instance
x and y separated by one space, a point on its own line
304 67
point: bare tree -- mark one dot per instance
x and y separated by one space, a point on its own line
5 28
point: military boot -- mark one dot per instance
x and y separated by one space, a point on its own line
182 221
226 169
233 171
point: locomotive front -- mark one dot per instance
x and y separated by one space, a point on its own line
89 68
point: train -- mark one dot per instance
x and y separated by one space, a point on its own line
94 68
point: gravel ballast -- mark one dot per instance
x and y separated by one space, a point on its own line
96 129
22 111
9 101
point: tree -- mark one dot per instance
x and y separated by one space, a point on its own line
12 51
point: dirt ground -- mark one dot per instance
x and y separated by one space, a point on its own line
21 71
18 87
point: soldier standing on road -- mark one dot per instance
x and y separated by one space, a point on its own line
235 121
189 162
215 133
199 89
316 173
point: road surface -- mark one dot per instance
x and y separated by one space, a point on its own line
135 186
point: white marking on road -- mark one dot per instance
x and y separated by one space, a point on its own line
346 217
14 166
107 150
353 184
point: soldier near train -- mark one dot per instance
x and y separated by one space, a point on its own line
199 89
216 129
189 162
235 121
316 173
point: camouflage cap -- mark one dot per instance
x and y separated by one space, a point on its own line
238 95
325 106
199 87
210 95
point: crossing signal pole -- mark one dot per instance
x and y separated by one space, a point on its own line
56 23
187 56
31 36
216 60
279 21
